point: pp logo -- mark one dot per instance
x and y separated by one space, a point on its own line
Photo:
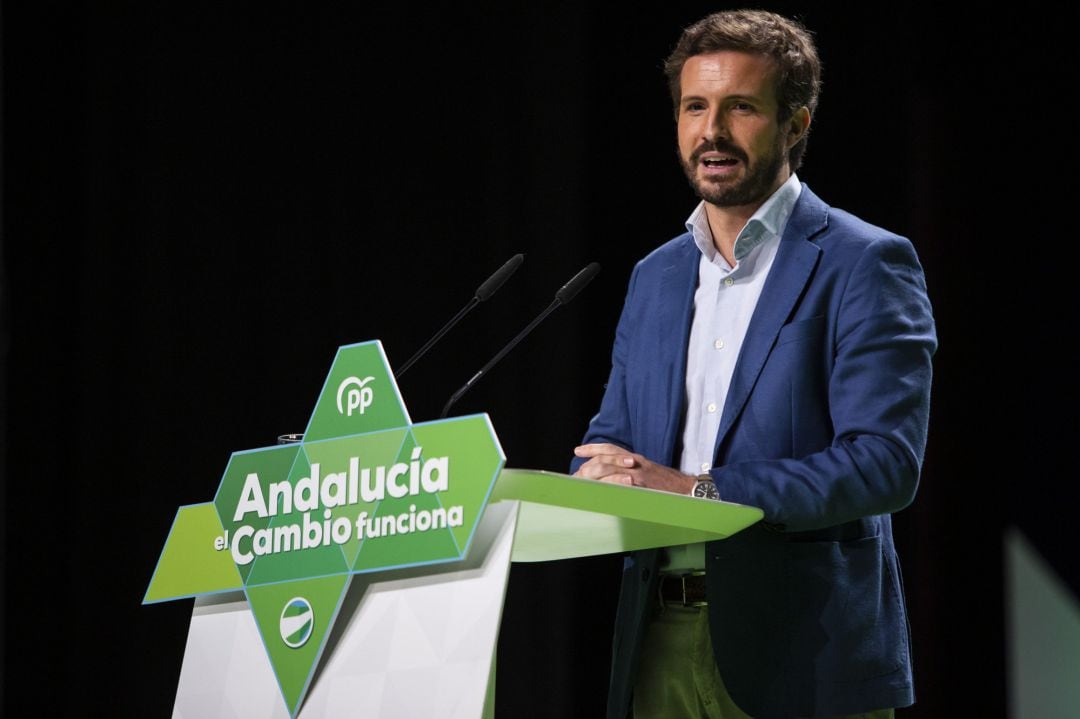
355 394
297 621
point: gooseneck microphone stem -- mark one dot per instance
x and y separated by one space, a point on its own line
502 353
438 335
483 292
566 293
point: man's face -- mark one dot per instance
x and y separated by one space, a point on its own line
732 148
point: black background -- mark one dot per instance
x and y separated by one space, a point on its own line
201 203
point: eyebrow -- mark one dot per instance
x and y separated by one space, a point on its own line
735 96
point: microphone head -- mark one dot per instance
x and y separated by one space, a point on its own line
493 283
577 283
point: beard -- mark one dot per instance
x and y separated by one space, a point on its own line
754 187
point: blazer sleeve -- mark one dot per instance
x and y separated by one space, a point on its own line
611 424
878 394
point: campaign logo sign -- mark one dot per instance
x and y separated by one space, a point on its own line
362 490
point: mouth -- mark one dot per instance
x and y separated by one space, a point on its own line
717 155
716 162
717 165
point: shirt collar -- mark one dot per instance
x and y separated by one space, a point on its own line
769 221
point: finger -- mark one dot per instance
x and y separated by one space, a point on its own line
593 450
621 458
599 467
625 479
604 464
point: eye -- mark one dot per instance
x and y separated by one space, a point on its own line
694 106
742 106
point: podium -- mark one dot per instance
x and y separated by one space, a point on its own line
420 641
360 571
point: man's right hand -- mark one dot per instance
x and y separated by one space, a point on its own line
612 463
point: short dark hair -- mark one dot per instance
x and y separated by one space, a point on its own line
786 41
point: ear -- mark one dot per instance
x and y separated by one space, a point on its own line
797 125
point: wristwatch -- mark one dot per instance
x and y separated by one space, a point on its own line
705 487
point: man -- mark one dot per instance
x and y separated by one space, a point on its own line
777 354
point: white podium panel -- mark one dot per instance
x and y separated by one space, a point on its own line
407 643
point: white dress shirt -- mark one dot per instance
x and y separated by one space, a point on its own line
724 303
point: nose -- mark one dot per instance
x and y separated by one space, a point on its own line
715 126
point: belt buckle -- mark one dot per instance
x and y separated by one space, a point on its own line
696 604
685 602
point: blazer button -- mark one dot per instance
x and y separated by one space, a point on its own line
645 574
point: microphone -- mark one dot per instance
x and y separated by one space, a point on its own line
566 293
483 292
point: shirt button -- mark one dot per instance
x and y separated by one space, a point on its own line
711 407
718 344
704 466
729 282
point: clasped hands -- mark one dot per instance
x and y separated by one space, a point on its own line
612 463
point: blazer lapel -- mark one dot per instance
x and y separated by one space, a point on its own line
676 302
795 260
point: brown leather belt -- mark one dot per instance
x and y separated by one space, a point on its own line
687 590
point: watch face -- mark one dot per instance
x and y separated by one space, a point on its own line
707 489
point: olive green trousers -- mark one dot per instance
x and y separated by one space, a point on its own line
678 678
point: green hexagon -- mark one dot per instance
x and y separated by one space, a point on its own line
269 466
476 456
300 543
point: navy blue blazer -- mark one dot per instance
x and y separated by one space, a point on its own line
824 428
